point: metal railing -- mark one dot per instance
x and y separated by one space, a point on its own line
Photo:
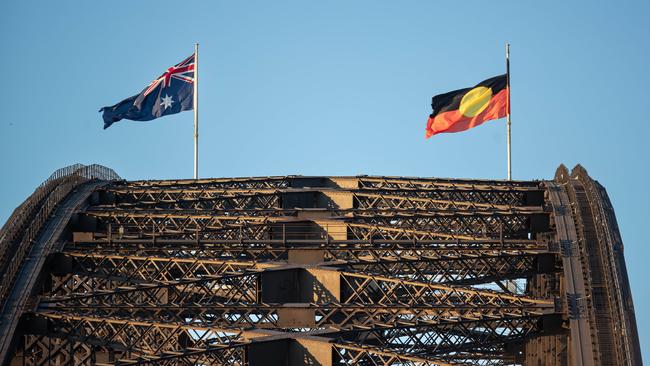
93 171
26 222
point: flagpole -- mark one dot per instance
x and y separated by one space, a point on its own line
196 111
508 122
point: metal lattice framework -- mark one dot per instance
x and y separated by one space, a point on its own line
319 271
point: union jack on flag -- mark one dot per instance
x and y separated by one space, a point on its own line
170 93
183 71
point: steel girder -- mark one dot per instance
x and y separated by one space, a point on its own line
362 299
206 225
429 266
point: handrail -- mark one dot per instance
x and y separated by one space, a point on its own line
93 171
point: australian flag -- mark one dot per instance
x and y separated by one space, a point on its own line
171 93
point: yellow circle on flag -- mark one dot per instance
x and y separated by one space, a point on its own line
475 101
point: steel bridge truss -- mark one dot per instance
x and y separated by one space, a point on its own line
332 271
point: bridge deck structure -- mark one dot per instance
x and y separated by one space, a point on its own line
295 270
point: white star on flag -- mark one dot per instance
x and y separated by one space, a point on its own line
167 101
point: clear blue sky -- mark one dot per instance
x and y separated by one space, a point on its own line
336 87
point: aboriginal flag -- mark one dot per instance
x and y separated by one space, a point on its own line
463 109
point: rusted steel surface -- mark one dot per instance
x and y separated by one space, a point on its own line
363 270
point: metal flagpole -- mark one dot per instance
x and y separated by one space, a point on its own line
508 122
196 111
510 284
